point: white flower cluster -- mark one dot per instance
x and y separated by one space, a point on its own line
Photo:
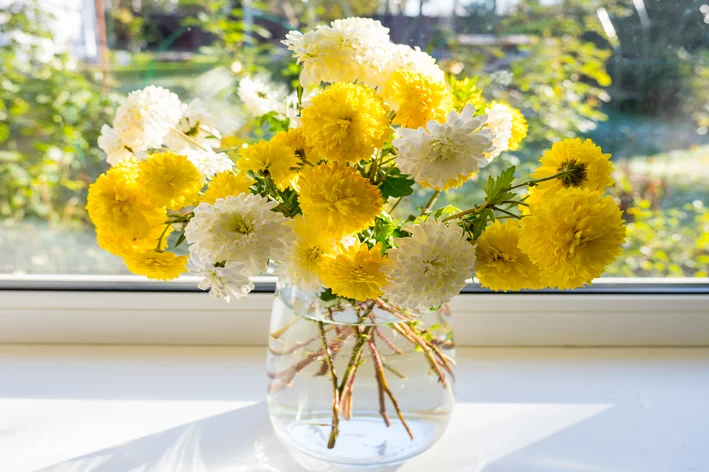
355 49
155 117
260 95
430 267
445 151
499 121
233 240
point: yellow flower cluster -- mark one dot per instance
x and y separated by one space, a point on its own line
355 272
128 206
569 233
419 98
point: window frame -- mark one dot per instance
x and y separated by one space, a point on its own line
130 310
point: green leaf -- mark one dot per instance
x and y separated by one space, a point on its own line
180 239
396 185
327 295
498 189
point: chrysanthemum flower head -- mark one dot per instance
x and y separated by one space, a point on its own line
310 247
587 165
346 122
338 199
198 124
444 155
117 205
260 95
295 139
271 159
344 51
572 236
155 265
109 143
501 264
170 180
356 272
208 163
519 129
228 281
239 228
417 98
499 120
146 116
119 244
430 267
227 184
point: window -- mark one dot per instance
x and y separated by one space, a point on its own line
631 75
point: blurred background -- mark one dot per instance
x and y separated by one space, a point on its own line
633 75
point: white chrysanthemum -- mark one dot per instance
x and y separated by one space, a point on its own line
402 56
261 95
345 51
198 124
430 267
230 281
146 116
208 163
499 121
444 151
110 144
241 228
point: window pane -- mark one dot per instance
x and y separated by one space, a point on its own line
633 75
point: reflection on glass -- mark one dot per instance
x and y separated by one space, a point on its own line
633 75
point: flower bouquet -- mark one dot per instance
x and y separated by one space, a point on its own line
319 203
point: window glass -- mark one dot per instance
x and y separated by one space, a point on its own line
633 75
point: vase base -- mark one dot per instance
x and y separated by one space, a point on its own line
364 442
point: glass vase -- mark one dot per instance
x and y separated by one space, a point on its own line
357 384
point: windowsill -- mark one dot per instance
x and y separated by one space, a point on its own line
116 409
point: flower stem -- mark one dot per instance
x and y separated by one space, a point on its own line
187 138
162 236
544 179
396 204
471 211
431 202
335 392
508 213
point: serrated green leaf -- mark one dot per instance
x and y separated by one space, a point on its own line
498 189
180 239
396 185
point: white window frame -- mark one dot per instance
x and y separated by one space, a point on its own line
129 310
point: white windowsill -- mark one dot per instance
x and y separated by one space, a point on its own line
481 319
201 409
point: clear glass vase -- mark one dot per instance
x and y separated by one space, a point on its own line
359 385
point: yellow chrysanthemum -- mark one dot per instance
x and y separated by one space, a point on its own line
572 236
117 205
310 247
155 265
589 167
295 139
519 129
118 244
226 184
346 122
338 199
170 180
419 99
501 264
270 158
355 272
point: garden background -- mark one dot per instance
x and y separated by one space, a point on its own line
633 75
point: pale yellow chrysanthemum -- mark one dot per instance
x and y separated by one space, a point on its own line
465 92
355 272
519 129
170 179
572 236
337 199
270 159
117 205
590 168
119 244
226 184
501 264
346 122
155 265
295 139
311 246
417 99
